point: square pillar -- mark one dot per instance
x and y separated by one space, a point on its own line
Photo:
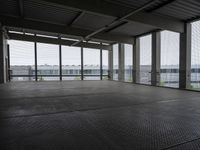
155 71
110 64
3 57
185 58
121 62
136 61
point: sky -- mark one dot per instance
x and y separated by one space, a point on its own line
22 53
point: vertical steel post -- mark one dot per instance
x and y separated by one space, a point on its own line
136 61
60 61
101 67
82 75
185 58
35 49
155 70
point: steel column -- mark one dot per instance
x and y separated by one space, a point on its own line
185 58
82 75
155 72
136 61
101 67
35 49
60 61
121 62
110 64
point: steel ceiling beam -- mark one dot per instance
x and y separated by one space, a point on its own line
61 29
107 9
76 18
31 38
117 21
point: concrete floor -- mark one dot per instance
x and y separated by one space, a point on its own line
97 115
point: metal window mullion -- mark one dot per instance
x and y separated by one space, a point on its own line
60 61
8 51
101 67
35 49
82 63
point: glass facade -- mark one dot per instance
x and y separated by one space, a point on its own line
71 63
115 61
22 60
47 61
170 47
195 54
91 61
145 59
128 62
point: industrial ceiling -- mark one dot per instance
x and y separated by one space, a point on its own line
98 20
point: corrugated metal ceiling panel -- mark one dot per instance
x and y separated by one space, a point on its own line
92 22
133 29
9 7
180 9
48 12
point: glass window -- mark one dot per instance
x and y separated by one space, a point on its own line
170 43
71 63
22 60
128 62
145 59
105 64
195 58
91 67
115 61
48 61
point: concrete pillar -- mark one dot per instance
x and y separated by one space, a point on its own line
121 62
110 64
3 57
156 46
185 58
136 61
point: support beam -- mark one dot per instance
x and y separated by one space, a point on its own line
61 29
121 62
30 38
136 61
108 9
156 46
185 58
76 18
